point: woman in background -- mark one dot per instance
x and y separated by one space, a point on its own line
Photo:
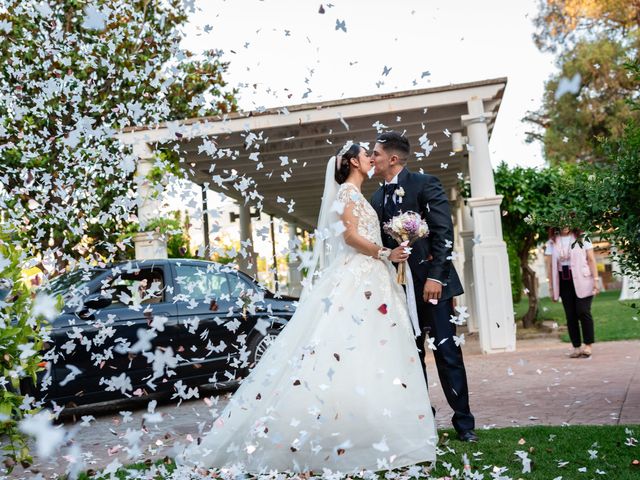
573 277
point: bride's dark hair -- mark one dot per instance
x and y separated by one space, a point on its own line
343 162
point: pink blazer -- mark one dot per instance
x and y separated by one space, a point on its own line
581 273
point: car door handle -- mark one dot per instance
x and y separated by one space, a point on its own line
158 314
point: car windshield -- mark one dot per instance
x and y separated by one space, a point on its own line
76 279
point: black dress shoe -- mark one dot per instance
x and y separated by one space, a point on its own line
468 436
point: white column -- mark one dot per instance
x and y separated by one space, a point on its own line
247 262
630 285
630 288
458 250
466 232
462 261
492 282
205 249
480 169
295 277
148 245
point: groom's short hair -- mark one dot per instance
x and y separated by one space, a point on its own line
396 143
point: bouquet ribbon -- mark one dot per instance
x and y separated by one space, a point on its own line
411 301
402 267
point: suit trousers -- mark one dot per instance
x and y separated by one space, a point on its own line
435 322
578 313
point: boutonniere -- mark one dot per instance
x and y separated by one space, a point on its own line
399 193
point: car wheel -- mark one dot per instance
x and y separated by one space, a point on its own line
258 344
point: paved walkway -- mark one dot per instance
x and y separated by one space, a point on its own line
540 385
537 385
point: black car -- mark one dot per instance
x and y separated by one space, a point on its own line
138 327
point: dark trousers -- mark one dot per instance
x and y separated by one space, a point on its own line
434 322
577 310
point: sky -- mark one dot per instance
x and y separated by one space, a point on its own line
286 52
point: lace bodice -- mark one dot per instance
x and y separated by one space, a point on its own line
368 225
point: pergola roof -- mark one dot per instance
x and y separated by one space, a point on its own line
311 133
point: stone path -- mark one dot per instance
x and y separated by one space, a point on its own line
537 385
540 385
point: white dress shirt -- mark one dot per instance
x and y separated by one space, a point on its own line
394 180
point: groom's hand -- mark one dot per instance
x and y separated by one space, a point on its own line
398 255
432 290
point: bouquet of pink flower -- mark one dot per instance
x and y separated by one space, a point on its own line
406 228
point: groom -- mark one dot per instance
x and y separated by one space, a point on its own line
435 280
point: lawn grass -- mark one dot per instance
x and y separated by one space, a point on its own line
547 447
614 320
555 453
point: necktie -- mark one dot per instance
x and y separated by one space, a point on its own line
389 204
389 188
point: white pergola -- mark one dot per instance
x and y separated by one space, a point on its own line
456 118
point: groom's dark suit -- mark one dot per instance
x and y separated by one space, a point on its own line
428 260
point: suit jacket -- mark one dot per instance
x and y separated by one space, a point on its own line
424 195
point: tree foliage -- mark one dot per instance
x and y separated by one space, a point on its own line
573 126
173 228
605 199
526 197
560 23
600 39
594 41
22 332
72 75
619 188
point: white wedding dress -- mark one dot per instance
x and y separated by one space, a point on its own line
341 388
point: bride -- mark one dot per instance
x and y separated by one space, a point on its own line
341 388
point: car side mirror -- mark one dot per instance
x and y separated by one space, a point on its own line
96 302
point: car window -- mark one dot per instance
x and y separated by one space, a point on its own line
135 288
198 284
72 282
237 284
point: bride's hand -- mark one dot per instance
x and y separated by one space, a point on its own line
399 255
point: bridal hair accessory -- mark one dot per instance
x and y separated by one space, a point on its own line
406 228
342 151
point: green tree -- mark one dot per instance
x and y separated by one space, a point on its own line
22 332
173 228
526 198
594 40
619 189
605 199
573 126
600 40
72 75
560 23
